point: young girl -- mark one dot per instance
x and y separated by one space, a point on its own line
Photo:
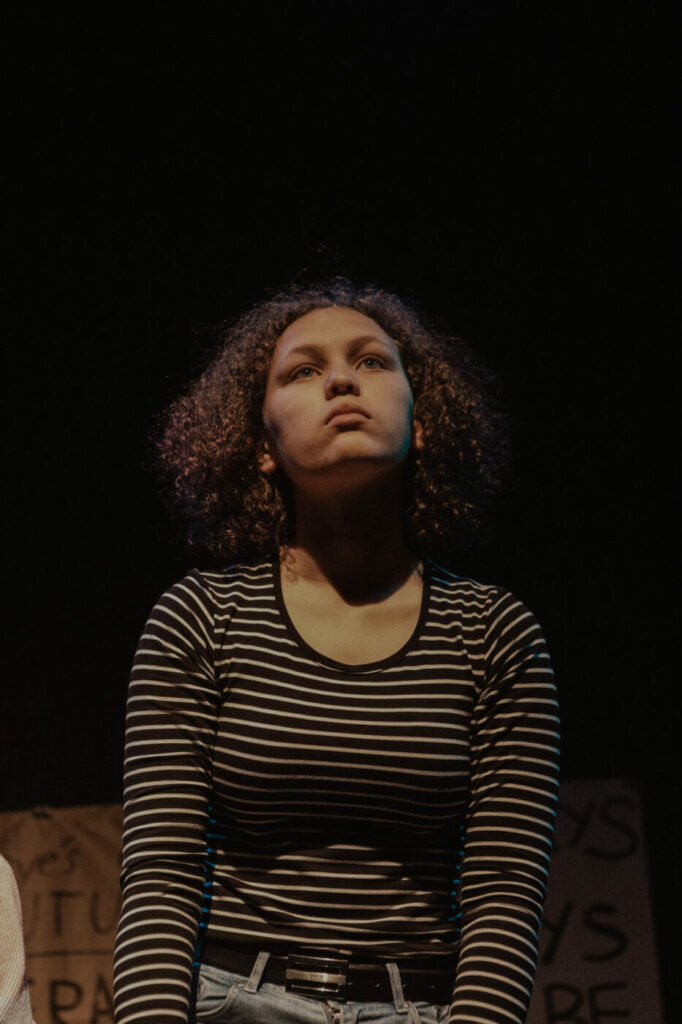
341 759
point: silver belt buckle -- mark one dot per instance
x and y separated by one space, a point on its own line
316 977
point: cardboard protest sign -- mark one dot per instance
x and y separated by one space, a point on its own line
66 863
597 960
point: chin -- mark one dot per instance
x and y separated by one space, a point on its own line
347 475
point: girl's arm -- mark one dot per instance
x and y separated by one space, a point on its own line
170 725
512 805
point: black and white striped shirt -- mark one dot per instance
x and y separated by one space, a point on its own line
278 800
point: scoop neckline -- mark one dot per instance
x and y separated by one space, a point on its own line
340 666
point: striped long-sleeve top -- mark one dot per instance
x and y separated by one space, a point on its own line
276 799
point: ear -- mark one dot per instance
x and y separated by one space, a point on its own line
266 460
417 436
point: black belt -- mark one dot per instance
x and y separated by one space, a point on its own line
424 979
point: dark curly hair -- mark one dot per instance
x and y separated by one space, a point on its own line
208 441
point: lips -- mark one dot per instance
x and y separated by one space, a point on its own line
346 410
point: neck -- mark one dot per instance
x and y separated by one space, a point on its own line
353 542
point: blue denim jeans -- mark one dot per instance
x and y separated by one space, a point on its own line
228 998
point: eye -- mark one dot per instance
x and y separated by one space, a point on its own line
372 362
302 373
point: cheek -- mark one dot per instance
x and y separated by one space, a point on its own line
287 427
289 432
275 418
406 404
401 426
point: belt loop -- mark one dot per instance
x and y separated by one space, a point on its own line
399 996
256 973
396 987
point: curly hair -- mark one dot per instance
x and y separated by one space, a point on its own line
208 441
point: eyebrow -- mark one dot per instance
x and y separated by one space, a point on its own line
353 346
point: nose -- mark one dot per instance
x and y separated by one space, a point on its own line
340 380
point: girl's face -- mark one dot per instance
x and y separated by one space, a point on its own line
338 404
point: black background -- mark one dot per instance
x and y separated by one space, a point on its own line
504 165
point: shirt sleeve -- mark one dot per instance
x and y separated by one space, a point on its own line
510 818
15 1002
170 727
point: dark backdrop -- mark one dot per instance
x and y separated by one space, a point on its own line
502 164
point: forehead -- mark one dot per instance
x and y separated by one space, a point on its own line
328 326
